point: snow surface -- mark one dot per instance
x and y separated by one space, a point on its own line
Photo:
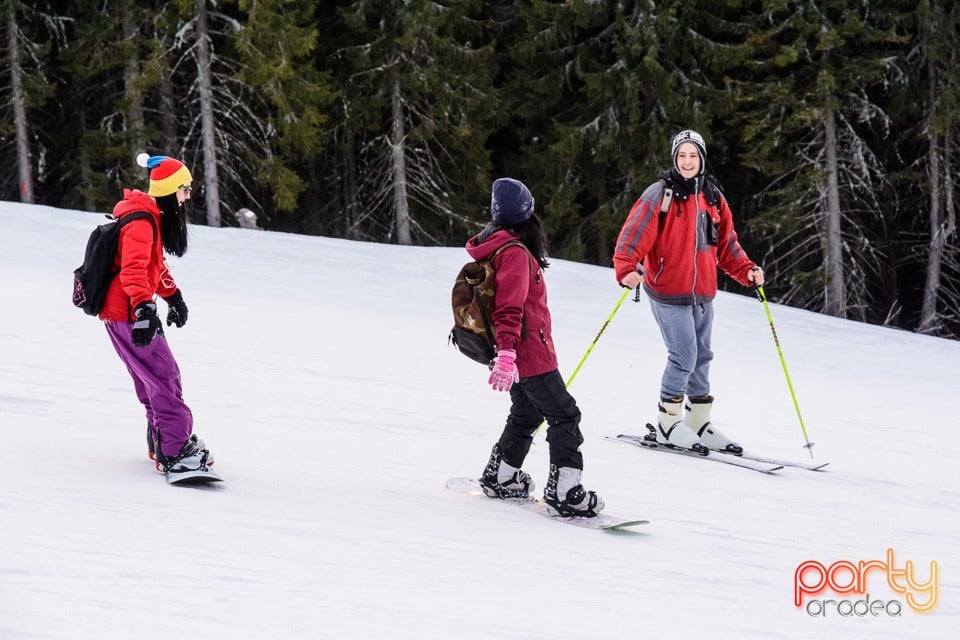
319 374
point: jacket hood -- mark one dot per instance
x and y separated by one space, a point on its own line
135 200
487 241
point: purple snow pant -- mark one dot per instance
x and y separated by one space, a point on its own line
156 379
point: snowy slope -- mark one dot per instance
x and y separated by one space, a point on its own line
318 373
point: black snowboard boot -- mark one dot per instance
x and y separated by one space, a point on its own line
567 497
193 456
500 480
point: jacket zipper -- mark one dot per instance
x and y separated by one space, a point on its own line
696 239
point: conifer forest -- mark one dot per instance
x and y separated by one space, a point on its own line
831 125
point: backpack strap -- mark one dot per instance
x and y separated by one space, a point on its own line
500 249
139 215
488 322
667 199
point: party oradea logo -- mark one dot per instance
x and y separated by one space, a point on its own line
860 589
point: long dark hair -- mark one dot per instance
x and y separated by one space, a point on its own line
530 233
173 225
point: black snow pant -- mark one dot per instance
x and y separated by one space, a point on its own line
536 398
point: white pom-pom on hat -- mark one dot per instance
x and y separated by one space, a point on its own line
142 159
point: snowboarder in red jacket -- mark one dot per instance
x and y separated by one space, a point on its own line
130 312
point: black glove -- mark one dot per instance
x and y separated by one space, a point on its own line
147 325
178 310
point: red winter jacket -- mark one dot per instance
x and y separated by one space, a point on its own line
521 318
143 271
680 255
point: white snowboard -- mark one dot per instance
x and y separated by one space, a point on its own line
602 520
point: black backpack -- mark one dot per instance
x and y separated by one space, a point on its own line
92 278
472 299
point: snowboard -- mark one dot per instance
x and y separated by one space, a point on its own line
187 478
602 521
193 478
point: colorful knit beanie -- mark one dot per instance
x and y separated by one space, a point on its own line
166 174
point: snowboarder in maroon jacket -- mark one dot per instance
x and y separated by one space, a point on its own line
526 362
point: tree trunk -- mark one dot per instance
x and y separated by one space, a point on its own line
950 209
131 76
931 286
836 297
168 118
207 125
401 205
135 119
24 164
85 163
350 190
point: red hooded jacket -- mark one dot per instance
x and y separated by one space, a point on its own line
521 318
143 271
681 252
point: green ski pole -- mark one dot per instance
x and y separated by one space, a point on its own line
766 307
599 333
586 355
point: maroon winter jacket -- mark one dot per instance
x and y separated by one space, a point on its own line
521 318
143 271
681 253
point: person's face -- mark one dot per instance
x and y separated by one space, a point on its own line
183 194
688 160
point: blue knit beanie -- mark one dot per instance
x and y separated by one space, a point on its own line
510 202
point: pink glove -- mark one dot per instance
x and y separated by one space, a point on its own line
504 372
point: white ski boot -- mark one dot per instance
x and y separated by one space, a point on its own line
698 418
672 430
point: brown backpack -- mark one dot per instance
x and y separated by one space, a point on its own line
472 299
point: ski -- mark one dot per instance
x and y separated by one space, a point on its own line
602 521
749 455
754 465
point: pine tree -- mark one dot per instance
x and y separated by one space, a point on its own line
938 75
598 90
106 124
417 103
805 108
275 49
31 31
225 122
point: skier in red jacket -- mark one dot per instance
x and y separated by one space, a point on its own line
130 312
675 255
526 362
